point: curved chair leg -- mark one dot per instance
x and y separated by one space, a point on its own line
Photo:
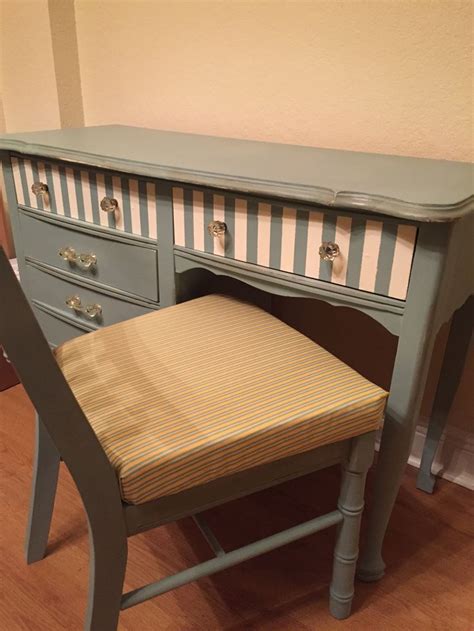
108 561
351 505
45 480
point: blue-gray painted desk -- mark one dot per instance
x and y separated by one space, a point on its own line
111 222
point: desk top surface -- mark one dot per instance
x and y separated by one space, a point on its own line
411 188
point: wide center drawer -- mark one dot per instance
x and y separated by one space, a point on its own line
113 201
86 306
126 266
373 255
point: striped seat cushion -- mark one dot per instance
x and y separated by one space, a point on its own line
208 388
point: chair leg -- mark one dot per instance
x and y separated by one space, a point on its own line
45 479
108 561
351 504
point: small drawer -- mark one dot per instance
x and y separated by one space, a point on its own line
126 266
56 330
113 201
373 255
82 305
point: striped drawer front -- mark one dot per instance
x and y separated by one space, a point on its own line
375 254
76 192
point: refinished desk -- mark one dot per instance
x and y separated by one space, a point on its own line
107 222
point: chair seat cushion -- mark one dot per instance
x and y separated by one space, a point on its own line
207 388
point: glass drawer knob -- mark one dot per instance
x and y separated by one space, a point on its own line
90 311
109 204
328 251
216 228
39 189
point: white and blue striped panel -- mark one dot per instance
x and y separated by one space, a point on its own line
75 192
376 254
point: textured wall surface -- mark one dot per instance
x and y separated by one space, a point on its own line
28 82
385 76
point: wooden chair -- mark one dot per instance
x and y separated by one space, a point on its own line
169 414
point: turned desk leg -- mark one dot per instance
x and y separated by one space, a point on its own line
450 376
415 345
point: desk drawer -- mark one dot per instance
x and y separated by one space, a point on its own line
53 292
129 267
56 330
375 255
76 192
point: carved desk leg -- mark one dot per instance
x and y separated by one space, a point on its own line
451 372
415 346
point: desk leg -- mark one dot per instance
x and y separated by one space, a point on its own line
453 364
414 351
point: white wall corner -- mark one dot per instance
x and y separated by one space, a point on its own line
454 460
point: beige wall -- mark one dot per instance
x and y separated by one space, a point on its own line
388 76
385 76
28 83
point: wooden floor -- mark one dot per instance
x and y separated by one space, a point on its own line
429 551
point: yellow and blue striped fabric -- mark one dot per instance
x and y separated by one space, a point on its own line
208 388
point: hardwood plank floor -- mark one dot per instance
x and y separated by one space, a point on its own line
429 551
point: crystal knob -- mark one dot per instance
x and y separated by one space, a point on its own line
91 311
109 204
86 259
216 228
39 189
328 251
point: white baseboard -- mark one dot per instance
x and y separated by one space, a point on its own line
454 460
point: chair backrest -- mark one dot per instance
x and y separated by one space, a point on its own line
55 403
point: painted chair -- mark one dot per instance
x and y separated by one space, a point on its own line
174 412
